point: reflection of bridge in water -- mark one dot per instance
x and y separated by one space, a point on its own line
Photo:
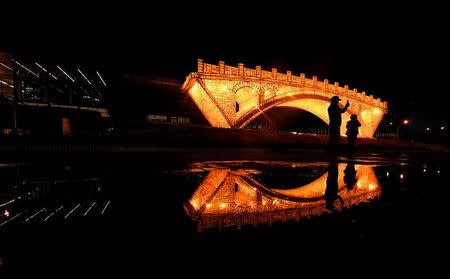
232 198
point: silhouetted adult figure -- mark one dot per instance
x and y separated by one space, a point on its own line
334 115
331 192
352 132
350 176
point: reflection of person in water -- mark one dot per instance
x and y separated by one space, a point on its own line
331 192
350 176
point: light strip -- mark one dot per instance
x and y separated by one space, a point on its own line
8 202
10 219
42 68
53 213
84 76
89 209
101 78
103 211
5 83
34 215
65 73
30 71
53 76
68 214
7 67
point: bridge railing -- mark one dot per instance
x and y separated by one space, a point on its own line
302 80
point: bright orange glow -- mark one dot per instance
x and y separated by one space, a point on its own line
216 202
406 122
216 89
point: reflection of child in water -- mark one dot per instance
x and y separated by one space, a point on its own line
350 176
352 130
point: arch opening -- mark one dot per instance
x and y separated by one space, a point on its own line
315 104
246 98
290 120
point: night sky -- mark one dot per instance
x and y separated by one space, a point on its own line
398 53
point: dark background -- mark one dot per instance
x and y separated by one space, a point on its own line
396 52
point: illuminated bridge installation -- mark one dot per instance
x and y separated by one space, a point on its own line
232 198
231 97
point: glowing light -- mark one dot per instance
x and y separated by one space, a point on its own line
106 206
424 170
358 184
371 187
84 76
377 111
53 213
223 205
390 123
70 212
428 129
402 176
98 74
8 202
387 174
405 122
66 74
438 171
34 215
208 205
28 70
5 83
6 213
7 67
10 219
89 209
442 127
42 68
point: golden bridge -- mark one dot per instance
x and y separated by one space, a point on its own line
231 97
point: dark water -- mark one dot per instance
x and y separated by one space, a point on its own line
139 216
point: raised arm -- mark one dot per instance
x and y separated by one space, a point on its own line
344 109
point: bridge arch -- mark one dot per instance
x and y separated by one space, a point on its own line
246 98
312 102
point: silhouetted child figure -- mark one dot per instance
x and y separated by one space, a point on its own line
352 131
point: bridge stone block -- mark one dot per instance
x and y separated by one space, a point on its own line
221 67
200 65
258 71
289 76
241 69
